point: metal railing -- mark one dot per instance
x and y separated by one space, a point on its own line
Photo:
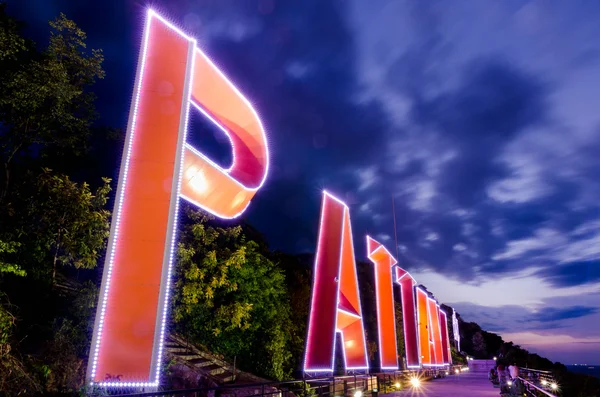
532 382
322 387
533 389
339 386
538 381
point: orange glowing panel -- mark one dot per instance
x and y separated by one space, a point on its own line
157 168
445 338
423 319
436 335
409 316
225 193
386 315
335 304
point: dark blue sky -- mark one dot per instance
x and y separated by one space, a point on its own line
479 118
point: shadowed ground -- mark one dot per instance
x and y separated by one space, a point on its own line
463 385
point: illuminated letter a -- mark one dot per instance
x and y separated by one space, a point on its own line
335 305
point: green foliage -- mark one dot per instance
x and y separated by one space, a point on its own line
64 356
457 358
15 376
62 223
298 279
11 42
7 249
231 297
47 220
400 333
45 101
366 286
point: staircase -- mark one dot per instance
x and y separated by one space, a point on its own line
212 367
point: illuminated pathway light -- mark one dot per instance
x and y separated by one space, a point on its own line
159 167
415 382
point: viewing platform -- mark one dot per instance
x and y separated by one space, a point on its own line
465 384
455 381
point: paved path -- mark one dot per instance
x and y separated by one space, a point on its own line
470 384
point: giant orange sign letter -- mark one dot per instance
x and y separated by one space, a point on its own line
386 314
407 290
158 168
335 305
436 333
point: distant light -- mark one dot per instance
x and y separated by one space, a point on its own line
447 373
397 384
509 383
544 382
495 358
358 393
415 382
554 386
456 371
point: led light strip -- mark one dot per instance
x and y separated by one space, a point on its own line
120 196
312 304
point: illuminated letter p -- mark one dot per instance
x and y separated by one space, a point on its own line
158 167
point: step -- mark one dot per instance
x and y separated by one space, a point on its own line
186 356
213 369
200 362
169 348
225 377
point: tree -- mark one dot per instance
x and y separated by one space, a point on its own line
14 377
400 333
46 107
64 355
11 42
368 303
298 280
479 344
8 249
62 223
231 297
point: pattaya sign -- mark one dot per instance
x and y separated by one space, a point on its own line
159 168
335 305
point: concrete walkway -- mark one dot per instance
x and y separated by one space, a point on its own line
463 385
